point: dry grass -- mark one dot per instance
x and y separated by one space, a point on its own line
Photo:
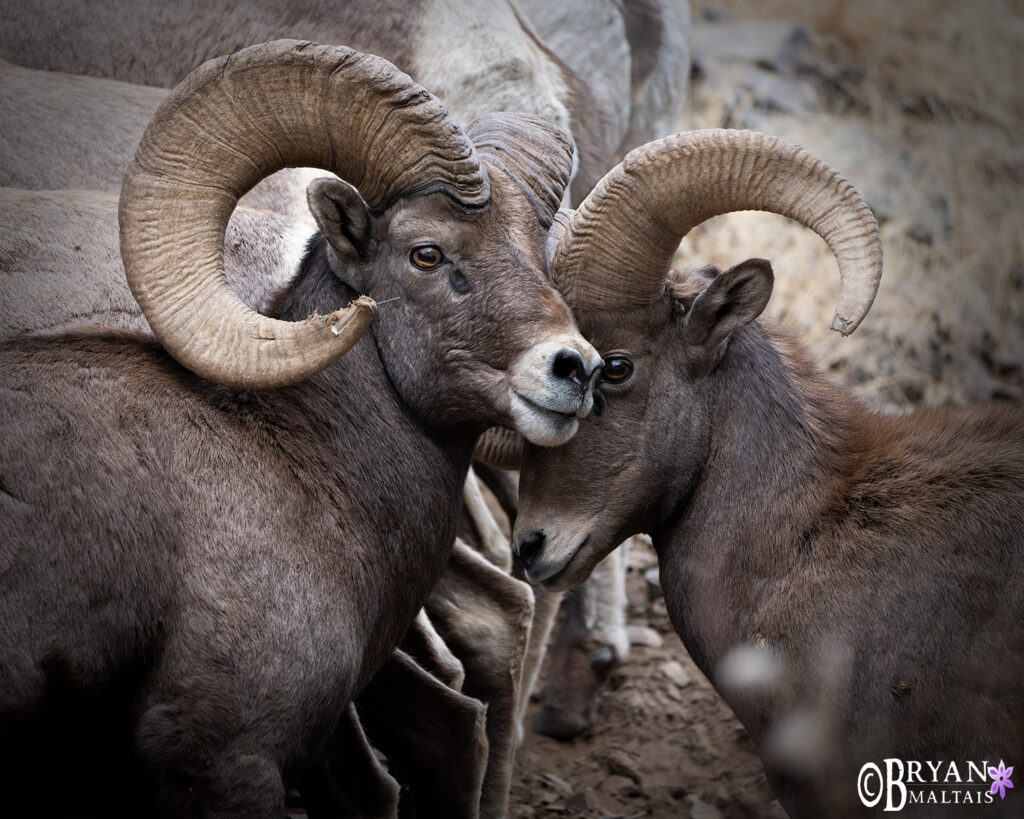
920 108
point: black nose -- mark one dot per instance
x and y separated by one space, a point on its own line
568 365
530 547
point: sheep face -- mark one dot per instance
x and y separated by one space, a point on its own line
641 451
468 325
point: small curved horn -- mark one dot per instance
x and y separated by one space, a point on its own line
500 447
230 123
618 246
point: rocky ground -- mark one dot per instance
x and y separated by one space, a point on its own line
662 743
918 103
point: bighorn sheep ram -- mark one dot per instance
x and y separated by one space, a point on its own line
851 582
284 538
614 74
60 267
92 126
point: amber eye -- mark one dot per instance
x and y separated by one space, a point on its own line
616 369
426 257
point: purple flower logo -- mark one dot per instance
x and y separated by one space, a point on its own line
1000 779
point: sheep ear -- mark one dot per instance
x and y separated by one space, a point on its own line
731 300
342 216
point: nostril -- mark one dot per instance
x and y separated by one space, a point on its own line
568 366
530 547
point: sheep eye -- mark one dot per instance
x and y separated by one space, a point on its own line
426 257
616 369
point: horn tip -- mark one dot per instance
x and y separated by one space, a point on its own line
844 325
357 314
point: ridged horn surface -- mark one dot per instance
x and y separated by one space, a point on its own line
533 153
500 447
229 124
618 245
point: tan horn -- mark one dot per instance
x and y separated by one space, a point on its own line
533 153
229 124
618 245
500 447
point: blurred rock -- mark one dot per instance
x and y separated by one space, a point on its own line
578 802
643 636
556 782
617 783
619 762
652 580
675 674
921 233
701 810
773 44
548 798
775 92
746 94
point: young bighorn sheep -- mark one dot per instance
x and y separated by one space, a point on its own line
237 563
851 582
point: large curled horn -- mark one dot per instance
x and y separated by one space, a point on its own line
229 124
533 153
618 245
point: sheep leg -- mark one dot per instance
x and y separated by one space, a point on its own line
545 611
504 485
428 649
433 737
591 641
605 601
493 544
350 781
484 616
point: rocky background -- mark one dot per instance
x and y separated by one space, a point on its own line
919 104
